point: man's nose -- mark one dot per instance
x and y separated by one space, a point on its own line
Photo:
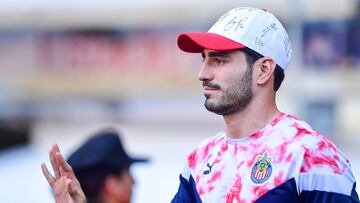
205 73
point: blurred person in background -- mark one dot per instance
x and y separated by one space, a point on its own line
102 168
263 155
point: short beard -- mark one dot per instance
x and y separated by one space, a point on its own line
235 98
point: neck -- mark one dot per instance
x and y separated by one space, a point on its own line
254 117
108 199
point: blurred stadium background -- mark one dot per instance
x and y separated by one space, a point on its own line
69 67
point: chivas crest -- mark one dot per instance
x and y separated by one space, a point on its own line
262 169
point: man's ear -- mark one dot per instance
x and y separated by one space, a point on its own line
266 67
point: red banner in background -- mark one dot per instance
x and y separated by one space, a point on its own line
131 51
93 62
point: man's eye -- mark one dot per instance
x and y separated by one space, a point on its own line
218 61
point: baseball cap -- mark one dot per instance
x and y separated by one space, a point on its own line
104 149
241 27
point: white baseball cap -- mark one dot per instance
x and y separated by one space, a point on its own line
242 27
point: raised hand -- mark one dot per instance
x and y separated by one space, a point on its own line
66 188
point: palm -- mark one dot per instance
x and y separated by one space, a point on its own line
61 193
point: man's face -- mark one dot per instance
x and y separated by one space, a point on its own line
122 190
227 81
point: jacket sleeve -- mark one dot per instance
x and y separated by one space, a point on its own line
325 174
329 197
187 192
327 188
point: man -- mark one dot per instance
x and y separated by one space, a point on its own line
101 166
263 155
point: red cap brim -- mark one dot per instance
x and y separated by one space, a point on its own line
196 42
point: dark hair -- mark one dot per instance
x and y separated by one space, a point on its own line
92 180
252 56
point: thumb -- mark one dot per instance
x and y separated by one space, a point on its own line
68 186
75 192
71 188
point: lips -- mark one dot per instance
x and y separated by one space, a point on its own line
210 86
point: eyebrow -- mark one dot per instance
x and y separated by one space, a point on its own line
215 54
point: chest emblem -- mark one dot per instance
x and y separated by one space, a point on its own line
262 169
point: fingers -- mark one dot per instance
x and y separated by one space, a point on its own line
62 172
47 174
56 148
52 156
60 166
63 164
69 174
66 169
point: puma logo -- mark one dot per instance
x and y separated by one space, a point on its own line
208 171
